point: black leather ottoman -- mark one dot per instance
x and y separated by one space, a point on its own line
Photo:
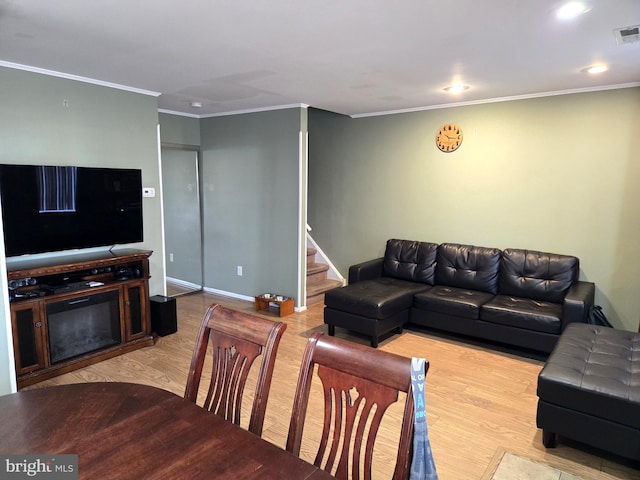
371 307
589 390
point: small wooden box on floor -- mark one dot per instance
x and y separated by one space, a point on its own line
284 305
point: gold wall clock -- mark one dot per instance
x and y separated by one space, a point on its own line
449 137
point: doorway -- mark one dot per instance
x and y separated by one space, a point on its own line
182 219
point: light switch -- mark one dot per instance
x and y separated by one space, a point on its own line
148 192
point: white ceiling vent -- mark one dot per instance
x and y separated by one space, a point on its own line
627 34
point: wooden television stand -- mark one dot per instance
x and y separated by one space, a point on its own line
71 311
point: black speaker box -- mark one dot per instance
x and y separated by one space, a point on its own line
164 317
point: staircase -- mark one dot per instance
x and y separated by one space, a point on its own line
317 280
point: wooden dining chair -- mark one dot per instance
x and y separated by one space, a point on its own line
236 340
354 378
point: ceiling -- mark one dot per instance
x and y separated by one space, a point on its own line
355 57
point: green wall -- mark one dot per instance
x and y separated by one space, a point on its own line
251 189
254 170
179 129
557 174
100 126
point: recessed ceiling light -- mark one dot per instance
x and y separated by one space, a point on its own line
196 104
593 69
457 88
571 10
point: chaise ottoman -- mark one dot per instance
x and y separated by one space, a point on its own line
371 307
380 291
589 390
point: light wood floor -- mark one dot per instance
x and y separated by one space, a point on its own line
479 400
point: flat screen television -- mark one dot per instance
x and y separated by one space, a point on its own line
54 208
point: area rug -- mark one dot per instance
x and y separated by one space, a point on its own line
509 466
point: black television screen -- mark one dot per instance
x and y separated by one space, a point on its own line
54 208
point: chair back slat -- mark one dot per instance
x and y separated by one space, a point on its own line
232 359
233 341
363 404
359 385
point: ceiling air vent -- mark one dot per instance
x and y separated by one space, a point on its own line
627 34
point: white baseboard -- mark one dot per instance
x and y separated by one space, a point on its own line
181 283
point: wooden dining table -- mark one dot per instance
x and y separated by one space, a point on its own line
131 431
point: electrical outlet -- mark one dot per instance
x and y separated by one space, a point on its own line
148 192
239 270
171 257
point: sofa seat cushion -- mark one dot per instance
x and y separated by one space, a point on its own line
452 301
378 298
523 313
595 370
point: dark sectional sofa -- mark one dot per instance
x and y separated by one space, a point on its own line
517 297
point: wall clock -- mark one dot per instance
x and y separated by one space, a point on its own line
449 137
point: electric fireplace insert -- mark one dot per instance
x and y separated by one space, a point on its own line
81 325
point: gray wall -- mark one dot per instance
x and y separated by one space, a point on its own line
100 127
556 174
251 191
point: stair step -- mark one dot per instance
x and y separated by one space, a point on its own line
311 255
314 268
316 290
316 272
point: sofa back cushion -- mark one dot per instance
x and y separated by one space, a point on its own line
409 260
537 275
467 266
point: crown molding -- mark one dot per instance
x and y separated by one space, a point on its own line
499 99
256 110
68 76
181 114
235 112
